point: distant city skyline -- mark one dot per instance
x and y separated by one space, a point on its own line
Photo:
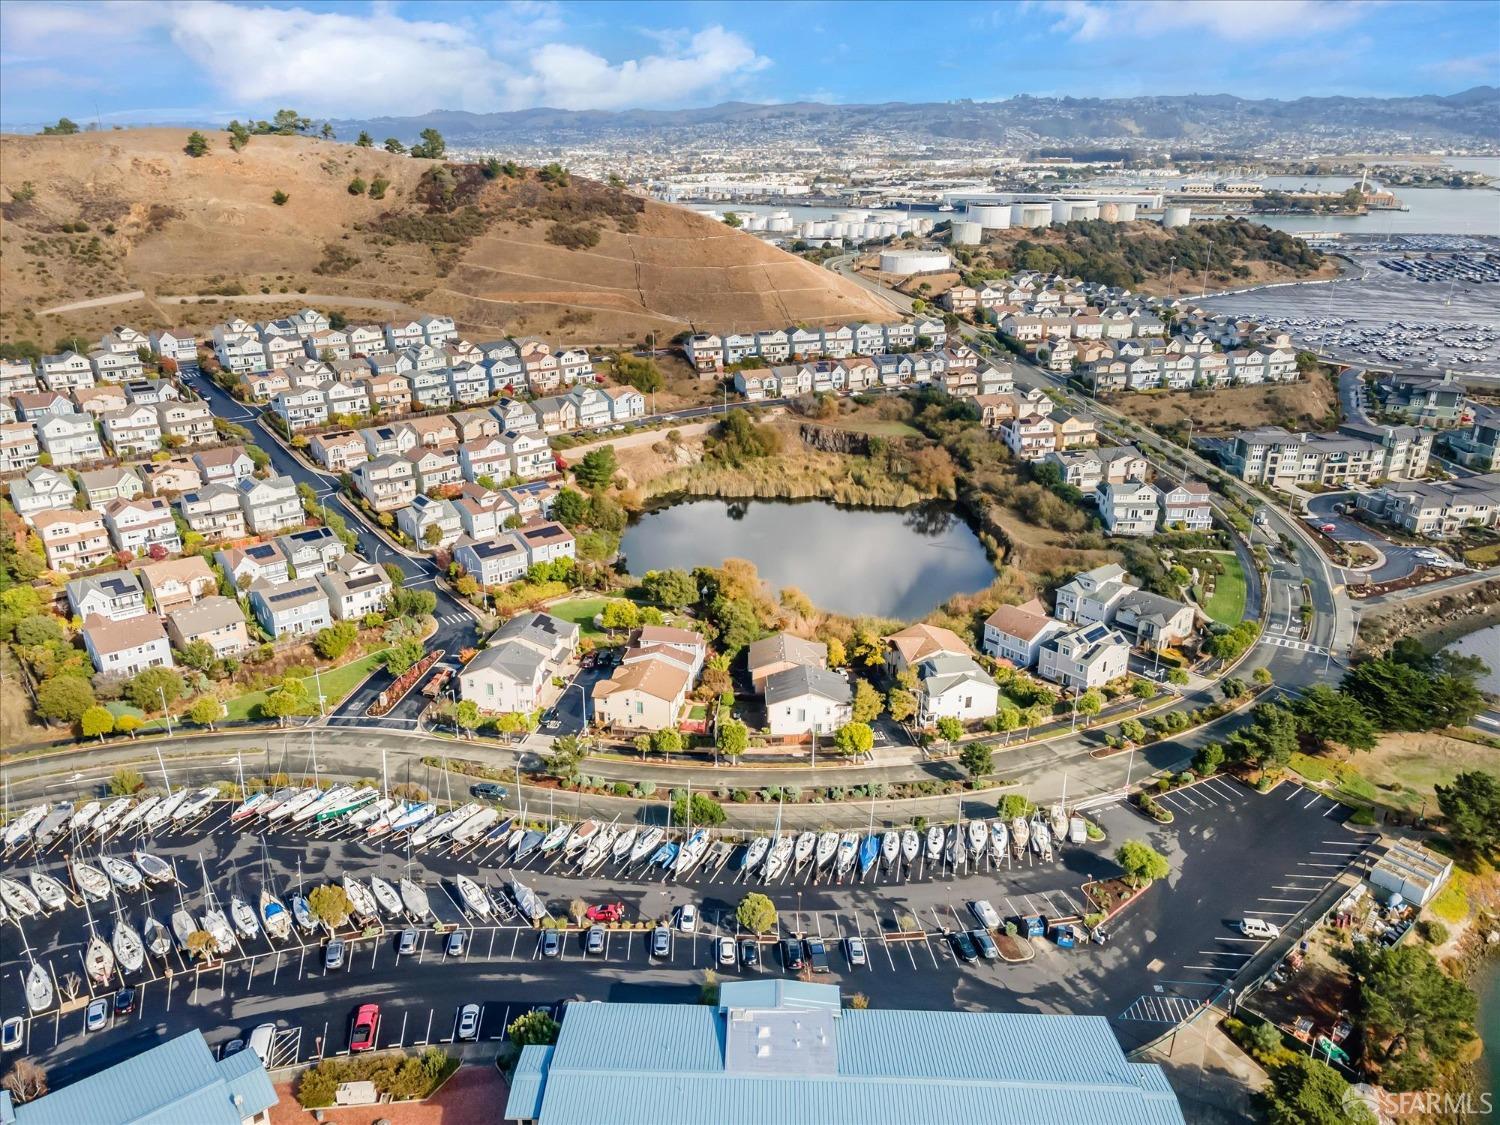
134 61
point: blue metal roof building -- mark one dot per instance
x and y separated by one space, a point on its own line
784 1051
175 1083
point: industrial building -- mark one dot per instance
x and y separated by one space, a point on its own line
176 1081
786 1051
1411 871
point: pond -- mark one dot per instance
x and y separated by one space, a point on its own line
887 562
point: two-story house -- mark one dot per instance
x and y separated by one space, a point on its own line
72 540
123 648
213 511
142 524
295 608
270 505
387 482
355 587
117 596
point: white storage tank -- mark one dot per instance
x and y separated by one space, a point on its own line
850 216
1109 212
1174 217
967 234
1086 210
990 216
903 262
1127 212
1032 214
780 224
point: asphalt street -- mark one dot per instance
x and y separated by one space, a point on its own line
1173 950
1397 559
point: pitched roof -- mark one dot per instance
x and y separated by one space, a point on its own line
206 615
118 636
1026 622
666 635
917 642
658 677
786 648
802 680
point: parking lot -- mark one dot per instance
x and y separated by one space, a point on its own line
1233 854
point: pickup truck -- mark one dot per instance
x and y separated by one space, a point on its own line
431 688
817 954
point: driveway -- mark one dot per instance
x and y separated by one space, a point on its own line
1354 396
1397 562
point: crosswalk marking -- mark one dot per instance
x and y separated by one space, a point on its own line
1161 1009
1288 642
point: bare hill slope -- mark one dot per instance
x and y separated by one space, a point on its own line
101 214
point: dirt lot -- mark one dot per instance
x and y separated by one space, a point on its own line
16 726
474 1096
1301 405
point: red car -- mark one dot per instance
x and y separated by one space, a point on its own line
608 912
366 1027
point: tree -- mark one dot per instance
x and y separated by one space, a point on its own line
901 703
332 642
128 724
642 744
239 136
289 699
1090 703
535 1028
569 507
976 759
674 589
1034 715
65 127
394 146
201 944
702 812
1416 1018
949 729
403 654
1269 741
197 144
732 738
96 722
854 739
279 197
1133 730
365 140
1141 862
466 714
667 741
1471 809
125 782
432 147
330 905
1327 716
27 1079
1007 719
64 699
597 468
433 535
619 614
756 913
327 131
197 655
206 711
1307 1091
1209 759
154 688
867 703
837 657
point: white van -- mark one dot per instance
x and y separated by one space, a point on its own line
1257 928
261 1040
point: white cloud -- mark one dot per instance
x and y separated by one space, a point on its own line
1239 21
373 61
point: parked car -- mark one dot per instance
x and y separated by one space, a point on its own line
726 951
986 913
605 912
407 942
791 955
124 1001
987 947
593 941
366 1027
97 1016
551 943
817 954
233 1047
1259 928
661 942
333 956
262 1039
687 918
455 946
854 949
12 1033
468 1022
489 791
963 946
749 954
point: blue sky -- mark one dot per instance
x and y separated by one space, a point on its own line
206 60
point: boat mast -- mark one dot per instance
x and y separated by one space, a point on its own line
166 780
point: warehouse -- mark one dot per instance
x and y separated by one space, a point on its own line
786 1051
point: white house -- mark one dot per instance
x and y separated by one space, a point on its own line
1016 633
1086 657
805 699
126 647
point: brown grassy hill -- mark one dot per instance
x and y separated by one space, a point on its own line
95 215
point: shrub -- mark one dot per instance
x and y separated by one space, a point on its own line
1364 817
1432 931
279 197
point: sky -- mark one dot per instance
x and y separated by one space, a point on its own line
129 61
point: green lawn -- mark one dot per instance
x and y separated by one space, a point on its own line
337 683
1227 605
581 611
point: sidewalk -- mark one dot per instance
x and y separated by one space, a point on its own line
1212 1077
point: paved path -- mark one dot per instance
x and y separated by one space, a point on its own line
305 298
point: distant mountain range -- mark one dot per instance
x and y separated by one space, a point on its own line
1221 121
